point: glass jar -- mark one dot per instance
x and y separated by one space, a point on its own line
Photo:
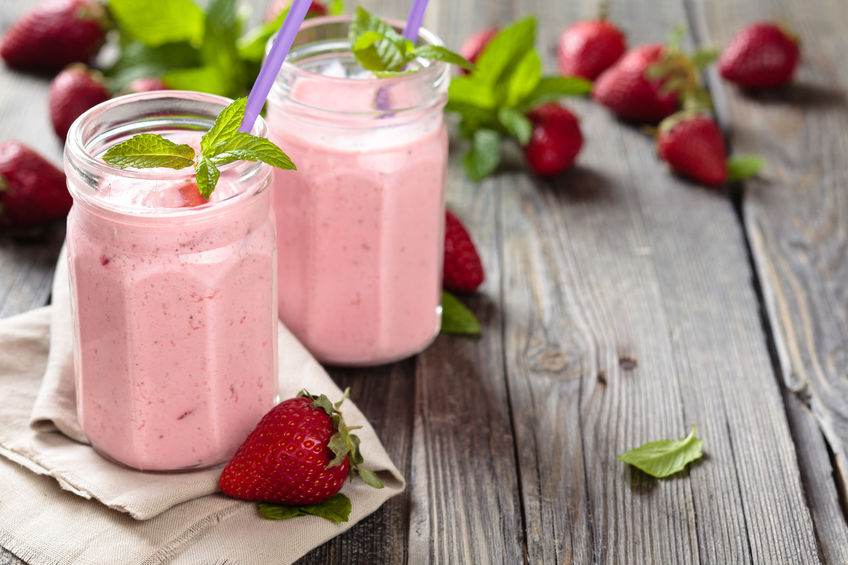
360 224
174 298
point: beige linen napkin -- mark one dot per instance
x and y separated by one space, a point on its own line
104 513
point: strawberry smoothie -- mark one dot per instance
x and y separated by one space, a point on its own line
360 224
173 299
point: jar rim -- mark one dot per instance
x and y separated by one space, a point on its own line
433 72
79 158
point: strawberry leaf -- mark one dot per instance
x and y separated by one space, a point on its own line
370 477
148 150
742 167
484 156
340 445
516 124
336 509
456 318
665 457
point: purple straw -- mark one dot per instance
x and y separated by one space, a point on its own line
271 66
413 22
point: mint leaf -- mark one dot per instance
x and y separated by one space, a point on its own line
466 90
742 167
382 50
664 457
336 7
439 53
156 23
524 77
516 124
553 88
456 318
203 79
484 156
137 60
225 127
245 147
505 50
148 150
207 175
251 47
221 31
336 509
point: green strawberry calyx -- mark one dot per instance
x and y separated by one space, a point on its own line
680 72
343 443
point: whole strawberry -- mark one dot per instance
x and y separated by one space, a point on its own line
693 146
761 55
462 271
588 48
556 139
55 34
72 92
32 190
476 43
276 7
627 91
299 454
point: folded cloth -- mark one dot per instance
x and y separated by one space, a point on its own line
104 513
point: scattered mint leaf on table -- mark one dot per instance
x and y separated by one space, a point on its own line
493 100
336 509
222 144
742 167
665 457
456 318
383 51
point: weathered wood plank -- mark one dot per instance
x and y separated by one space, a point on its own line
649 271
796 218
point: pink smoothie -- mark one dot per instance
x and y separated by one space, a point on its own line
174 311
360 225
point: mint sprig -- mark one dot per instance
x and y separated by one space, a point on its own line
665 457
222 144
385 52
492 101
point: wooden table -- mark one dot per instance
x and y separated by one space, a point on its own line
621 305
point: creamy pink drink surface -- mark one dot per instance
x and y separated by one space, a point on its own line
174 312
360 226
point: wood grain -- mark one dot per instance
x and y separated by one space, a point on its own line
795 216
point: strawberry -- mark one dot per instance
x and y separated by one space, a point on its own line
32 190
146 84
54 34
476 43
625 89
72 92
588 48
556 139
276 7
761 55
462 271
191 195
693 146
299 454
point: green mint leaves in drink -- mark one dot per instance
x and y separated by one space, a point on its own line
493 100
222 144
385 52
665 457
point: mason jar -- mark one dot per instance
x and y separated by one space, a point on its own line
360 224
174 298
